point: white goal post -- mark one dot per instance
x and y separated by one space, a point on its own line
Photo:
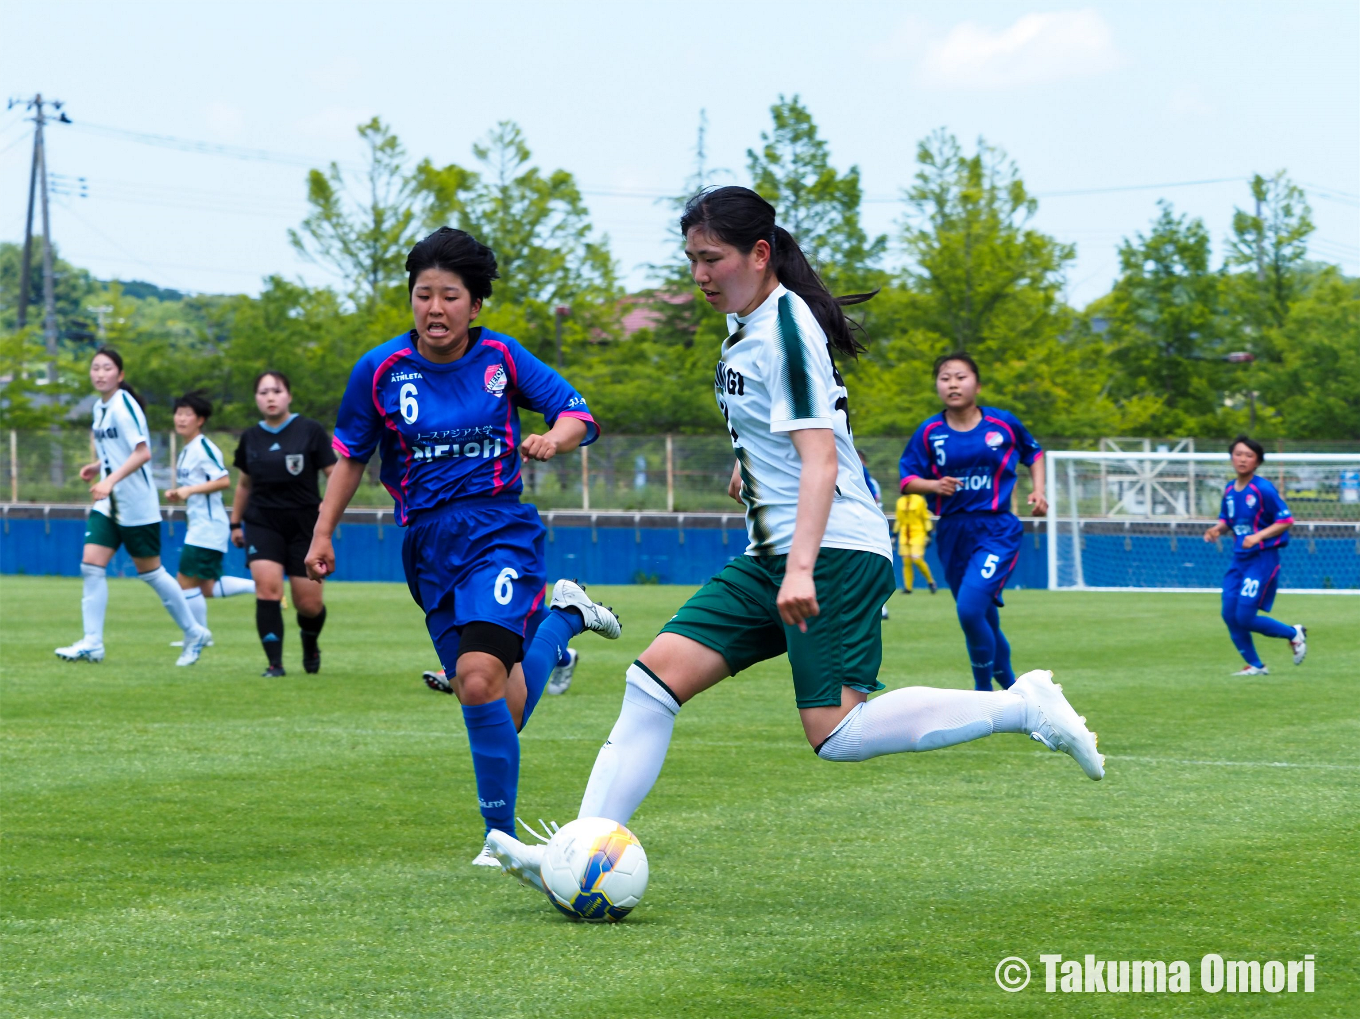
1135 521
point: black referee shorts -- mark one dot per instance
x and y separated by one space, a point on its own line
281 536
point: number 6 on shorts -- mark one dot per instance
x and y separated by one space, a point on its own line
504 592
989 565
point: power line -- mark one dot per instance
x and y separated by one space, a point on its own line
200 147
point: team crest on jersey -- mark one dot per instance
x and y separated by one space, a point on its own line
293 461
993 439
1251 501
496 379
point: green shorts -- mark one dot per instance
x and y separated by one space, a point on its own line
735 615
200 563
142 541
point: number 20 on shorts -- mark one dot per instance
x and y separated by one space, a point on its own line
1250 587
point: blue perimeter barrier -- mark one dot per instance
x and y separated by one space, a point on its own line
622 549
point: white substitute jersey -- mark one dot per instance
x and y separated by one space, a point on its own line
776 376
119 425
201 461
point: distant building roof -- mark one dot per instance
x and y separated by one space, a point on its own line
641 312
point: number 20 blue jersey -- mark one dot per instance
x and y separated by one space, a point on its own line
983 458
449 431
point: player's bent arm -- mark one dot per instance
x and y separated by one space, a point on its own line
345 476
206 488
141 453
564 436
797 600
90 471
734 483
1036 498
238 508
1216 531
1266 533
931 486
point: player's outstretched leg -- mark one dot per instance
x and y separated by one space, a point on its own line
919 718
225 587
172 597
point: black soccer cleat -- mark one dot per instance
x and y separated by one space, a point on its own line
437 681
273 672
311 664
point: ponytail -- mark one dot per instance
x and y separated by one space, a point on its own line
740 217
126 386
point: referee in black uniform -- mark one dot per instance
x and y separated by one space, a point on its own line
274 512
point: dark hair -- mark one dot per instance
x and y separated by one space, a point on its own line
455 251
1251 444
117 359
958 355
196 402
740 217
283 380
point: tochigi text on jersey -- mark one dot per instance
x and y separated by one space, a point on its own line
472 443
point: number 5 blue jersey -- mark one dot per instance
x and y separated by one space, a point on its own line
1253 508
449 431
984 459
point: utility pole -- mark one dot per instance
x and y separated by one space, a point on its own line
24 281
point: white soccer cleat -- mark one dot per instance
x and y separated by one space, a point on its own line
1052 721
1299 642
885 612
83 650
1253 670
485 858
559 681
180 643
567 594
520 861
194 643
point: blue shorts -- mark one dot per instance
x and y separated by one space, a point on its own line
1253 578
476 560
978 549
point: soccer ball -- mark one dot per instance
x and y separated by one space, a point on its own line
594 869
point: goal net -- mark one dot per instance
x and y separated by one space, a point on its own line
1122 521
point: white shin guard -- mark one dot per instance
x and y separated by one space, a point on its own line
630 761
172 597
198 605
94 601
918 718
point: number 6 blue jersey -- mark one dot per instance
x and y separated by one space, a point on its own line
449 431
984 459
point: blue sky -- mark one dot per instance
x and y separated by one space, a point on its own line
1083 96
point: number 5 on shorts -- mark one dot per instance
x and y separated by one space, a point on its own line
989 565
504 592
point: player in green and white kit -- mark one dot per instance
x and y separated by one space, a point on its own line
200 478
819 564
126 512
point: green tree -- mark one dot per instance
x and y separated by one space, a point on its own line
1271 244
362 231
821 208
984 274
1165 331
72 288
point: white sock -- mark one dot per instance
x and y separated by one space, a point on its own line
919 718
228 586
172 597
630 761
198 605
94 601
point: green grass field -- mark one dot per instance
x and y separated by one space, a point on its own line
202 842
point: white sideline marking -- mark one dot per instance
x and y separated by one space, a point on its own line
1233 764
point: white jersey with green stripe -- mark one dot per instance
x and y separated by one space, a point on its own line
776 376
119 426
201 461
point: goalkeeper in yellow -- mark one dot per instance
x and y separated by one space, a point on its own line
913 529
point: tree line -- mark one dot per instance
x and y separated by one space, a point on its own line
1262 338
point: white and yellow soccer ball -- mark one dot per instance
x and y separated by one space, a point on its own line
594 869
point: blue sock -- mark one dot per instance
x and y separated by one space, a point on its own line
1001 663
1238 619
972 605
495 761
547 650
1268 627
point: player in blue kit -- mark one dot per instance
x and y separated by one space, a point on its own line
442 404
964 461
1255 514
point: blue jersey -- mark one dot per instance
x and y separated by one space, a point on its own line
449 431
1247 511
984 459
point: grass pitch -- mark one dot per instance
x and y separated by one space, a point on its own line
203 842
